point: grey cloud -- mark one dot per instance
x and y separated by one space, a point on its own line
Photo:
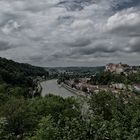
5 46
134 34
125 22
126 30
5 17
81 42
72 5
135 45
99 48
80 32
126 4
35 58
66 19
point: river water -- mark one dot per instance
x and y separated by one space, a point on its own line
51 87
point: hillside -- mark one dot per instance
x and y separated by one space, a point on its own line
18 76
18 73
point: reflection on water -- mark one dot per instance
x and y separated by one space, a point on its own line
51 87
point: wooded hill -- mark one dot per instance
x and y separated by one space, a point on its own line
16 76
18 73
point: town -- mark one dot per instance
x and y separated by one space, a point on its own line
114 77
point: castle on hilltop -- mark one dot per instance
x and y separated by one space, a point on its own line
117 68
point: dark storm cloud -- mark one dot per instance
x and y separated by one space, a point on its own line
135 45
65 20
81 42
126 4
5 46
101 48
5 17
98 50
38 58
134 34
72 5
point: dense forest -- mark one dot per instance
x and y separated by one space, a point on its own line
105 116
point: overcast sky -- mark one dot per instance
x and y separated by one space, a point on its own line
70 32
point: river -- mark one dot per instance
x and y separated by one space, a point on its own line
51 87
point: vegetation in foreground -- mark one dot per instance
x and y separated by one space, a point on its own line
54 118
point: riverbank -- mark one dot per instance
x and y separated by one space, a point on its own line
51 87
74 91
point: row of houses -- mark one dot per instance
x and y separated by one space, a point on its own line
82 85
